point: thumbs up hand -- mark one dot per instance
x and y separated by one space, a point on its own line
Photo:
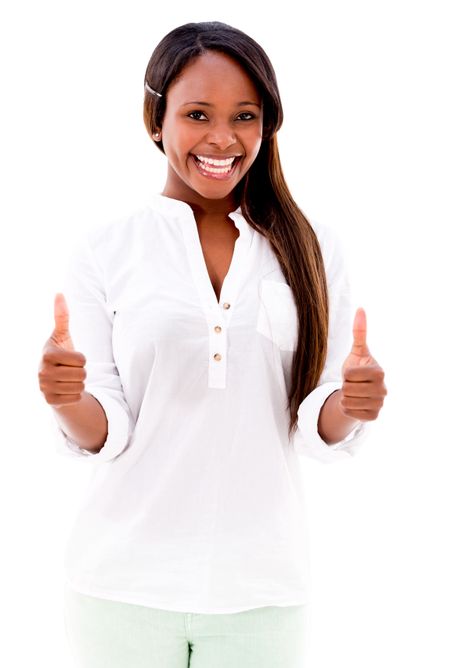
363 389
61 370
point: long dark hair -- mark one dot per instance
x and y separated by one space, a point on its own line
262 193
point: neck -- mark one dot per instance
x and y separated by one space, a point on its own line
201 206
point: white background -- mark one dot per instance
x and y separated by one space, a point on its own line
365 148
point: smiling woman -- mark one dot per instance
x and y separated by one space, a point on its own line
210 150
215 328
223 70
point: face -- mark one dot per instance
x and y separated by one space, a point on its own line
213 112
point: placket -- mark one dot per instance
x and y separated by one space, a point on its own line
218 314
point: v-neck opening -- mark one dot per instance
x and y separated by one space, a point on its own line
233 255
218 312
184 215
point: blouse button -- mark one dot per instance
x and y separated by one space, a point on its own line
226 305
217 357
217 328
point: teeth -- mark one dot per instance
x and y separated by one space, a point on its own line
217 163
216 166
216 170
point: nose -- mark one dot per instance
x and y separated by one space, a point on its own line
222 136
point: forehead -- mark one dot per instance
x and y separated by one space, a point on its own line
212 74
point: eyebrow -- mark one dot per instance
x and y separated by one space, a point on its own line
208 104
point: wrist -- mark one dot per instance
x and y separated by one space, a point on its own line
333 425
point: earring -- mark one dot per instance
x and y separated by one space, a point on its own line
156 135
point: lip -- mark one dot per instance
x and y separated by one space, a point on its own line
218 157
216 177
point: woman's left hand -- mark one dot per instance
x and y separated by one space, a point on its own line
363 388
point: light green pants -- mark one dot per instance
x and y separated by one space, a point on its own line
110 634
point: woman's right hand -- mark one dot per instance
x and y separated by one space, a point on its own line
61 370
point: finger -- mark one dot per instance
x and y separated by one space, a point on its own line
363 415
369 373
61 314
54 355
50 374
366 390
56 388
362 403
68 388
69 374
360 333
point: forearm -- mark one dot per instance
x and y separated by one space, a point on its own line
333 425
85 422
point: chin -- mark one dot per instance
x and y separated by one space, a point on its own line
212 193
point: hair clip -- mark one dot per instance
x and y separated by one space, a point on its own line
150 90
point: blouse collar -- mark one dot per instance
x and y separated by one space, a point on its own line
179 208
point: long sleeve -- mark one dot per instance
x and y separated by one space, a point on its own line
90 324
307 440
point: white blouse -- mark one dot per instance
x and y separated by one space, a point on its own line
195 502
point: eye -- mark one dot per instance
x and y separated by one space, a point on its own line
244 113
195 112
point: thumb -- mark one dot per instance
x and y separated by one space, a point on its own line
360 333
61 332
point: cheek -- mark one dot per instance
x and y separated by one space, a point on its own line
253 146
257 146
175 146
255 139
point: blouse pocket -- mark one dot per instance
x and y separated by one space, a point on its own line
277 314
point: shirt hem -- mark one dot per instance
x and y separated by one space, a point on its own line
126 597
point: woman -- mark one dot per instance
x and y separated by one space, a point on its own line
215 330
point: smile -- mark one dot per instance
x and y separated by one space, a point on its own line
213 170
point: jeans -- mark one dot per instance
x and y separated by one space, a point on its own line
111 634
